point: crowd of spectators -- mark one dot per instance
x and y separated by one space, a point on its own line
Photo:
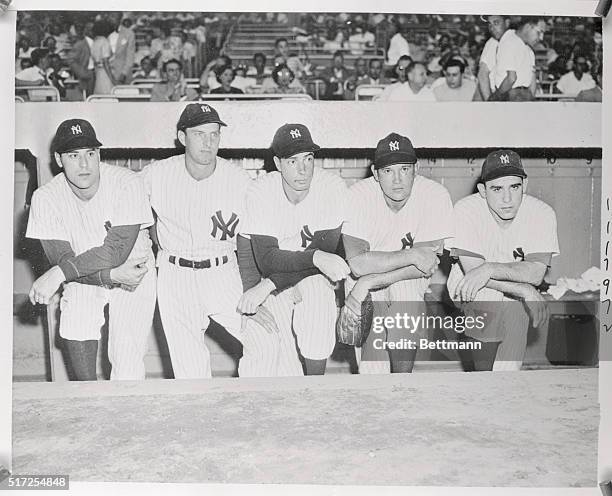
104 49
413 56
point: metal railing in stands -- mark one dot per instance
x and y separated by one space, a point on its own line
18 99
368 91
318 85
39 93
119 98
555 97
138 81
256 96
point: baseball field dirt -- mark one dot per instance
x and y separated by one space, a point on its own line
530 428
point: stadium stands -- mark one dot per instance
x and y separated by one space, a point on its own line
198 38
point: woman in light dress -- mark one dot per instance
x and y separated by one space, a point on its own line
101 54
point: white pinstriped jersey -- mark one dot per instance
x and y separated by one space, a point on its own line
272 214
426 216
57 213
197 220
533 230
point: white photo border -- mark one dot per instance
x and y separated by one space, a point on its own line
584 8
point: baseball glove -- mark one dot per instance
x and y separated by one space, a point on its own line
355 320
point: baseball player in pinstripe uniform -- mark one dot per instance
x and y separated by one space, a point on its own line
294 222
92 220
199 202
504 240
396 227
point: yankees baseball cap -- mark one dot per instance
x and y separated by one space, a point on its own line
502 163
394 149
291 139
195 114
74 134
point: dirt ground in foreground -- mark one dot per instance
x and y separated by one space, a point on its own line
502 429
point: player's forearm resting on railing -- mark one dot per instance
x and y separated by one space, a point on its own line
251 276
373 282
100 266
517 279
58 250
270 258
113 252
364 262
527 271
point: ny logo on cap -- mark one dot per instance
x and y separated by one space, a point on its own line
504 159
394 146
76 129
295 133
205 108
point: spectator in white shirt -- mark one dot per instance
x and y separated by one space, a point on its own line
594 94
398 45
188 54
283 80
401 68
360 40
144 50
284 56
498 25
258 72
455 88
50 43
25 51
35 75
414 89
147 70
60 32
208 78
577 79
515 63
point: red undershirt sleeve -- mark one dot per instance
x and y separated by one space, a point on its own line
271 259
58 250
114 251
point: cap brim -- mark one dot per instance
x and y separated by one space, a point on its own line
506 171
78 143
300 148
183 127
393 159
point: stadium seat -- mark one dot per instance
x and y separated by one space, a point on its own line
103 98
126 90
368 91
39 93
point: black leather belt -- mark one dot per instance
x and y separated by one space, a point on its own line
198 264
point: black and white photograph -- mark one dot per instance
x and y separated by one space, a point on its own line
319 247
